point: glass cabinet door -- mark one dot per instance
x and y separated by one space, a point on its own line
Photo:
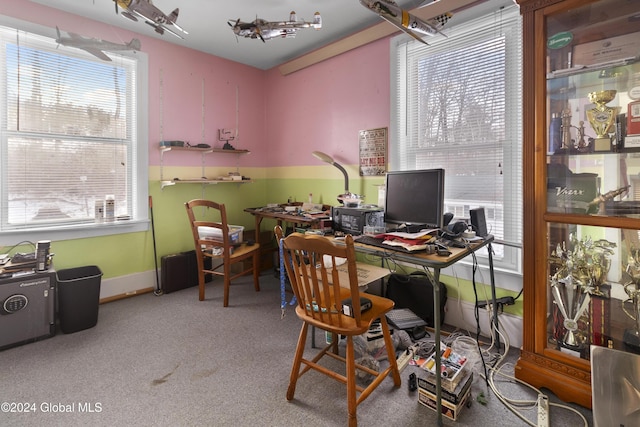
593 109
592 176
593 296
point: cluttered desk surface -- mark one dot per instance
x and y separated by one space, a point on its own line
434 253
293 212
423 246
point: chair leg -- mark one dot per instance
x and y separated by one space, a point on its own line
297 361
388 343
256 271
201 285
351 383
227 284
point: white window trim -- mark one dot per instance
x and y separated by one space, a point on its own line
141 161
509 278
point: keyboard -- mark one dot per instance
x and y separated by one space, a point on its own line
404 318
377 241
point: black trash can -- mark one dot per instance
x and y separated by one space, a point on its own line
78 298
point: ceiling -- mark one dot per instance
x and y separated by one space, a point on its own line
206 23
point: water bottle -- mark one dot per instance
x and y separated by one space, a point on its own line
555 133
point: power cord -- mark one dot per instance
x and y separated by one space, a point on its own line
24 242
493 366
513 404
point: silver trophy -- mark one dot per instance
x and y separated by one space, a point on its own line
572 301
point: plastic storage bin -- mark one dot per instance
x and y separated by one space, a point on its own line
78 298
212 233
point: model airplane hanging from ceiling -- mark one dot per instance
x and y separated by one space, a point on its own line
144 9
265 30
406 22
96 47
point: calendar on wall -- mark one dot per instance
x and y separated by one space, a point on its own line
373 152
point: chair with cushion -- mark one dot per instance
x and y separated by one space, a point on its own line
216 252
310 262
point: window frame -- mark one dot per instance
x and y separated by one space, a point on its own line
140 159
509 270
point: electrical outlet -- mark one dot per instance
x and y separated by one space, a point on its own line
543 411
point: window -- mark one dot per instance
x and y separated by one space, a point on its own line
70 137
458 107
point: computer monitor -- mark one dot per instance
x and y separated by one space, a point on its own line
415 199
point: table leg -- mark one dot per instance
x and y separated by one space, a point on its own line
493 295
436 326
258 222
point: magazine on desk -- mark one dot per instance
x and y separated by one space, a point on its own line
411 242
421 235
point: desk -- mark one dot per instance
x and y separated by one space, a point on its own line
282 216
437 263
313 221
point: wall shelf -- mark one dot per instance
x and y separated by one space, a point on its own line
203 181
203 152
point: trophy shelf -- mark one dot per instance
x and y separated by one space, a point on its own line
581 192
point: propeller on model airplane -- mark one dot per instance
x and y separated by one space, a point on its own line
233 26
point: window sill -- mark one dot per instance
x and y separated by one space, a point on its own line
80 231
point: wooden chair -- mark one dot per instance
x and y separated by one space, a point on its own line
305 259
214 215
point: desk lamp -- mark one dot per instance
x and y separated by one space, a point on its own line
328 159
351 200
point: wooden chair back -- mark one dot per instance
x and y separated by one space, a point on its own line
311 262
212 215
219 246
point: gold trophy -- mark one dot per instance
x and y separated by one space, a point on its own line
632 335
602 117
579 282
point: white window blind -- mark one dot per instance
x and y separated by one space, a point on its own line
68 134
458 107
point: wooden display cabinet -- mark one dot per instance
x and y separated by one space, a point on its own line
581 174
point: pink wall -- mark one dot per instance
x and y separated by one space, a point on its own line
323 107
178 78
175 112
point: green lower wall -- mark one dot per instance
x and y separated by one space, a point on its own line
125 254
115 255
463 289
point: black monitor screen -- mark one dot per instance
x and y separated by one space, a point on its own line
415 198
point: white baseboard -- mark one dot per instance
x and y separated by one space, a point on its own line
130 284
460 314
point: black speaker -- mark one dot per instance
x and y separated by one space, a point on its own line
478 222
446 219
